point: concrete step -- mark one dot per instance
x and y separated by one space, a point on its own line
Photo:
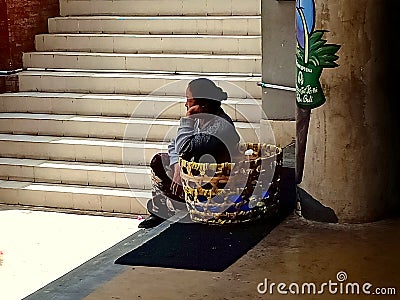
159 107
74 197
78 173
131 83
79 149
159 7
136 43
177 63
214 25
88 126
103 127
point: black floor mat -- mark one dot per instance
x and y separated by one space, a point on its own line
197 246
208 247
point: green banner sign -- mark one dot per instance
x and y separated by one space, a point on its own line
312 56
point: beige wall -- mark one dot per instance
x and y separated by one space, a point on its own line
352 147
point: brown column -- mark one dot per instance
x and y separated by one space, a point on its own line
20 21
352 144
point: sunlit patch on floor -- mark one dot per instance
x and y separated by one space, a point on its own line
37 247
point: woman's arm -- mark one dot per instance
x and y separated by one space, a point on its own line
185 132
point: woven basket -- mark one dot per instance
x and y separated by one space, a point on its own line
244 190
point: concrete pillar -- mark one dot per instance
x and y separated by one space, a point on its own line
352 145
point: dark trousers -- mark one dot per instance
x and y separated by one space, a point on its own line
164 203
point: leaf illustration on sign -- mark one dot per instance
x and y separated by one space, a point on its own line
313 54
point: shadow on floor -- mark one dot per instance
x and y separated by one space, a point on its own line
207 247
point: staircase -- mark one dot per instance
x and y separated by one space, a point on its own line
104 91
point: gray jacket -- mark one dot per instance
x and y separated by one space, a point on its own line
201 134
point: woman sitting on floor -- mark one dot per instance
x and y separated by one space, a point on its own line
205 134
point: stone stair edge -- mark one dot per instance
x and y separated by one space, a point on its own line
141 63
15 161
155 17
111 96
107 119
117 105
162 145
73 187
157 130
146 43
136 73
53 195
163 7
127 72
229 25
143 35
139 74
167 55
131 83
100 175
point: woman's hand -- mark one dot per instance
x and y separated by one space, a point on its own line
176 186
195 109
